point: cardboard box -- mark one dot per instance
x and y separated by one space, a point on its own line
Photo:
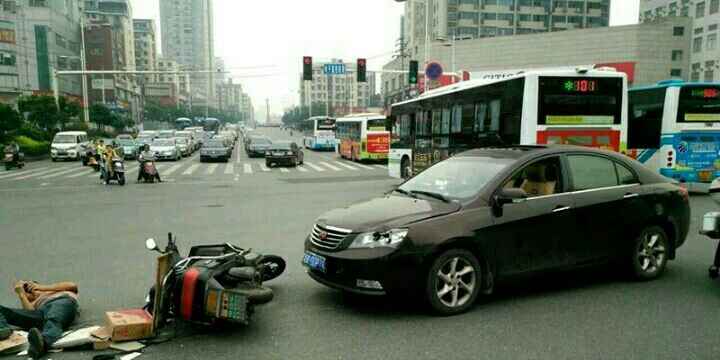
126 325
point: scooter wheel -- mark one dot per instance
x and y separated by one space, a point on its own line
272 267
256 295
121 179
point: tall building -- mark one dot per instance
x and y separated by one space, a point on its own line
187 37
490 18
341 94
145 47
110 45
704 54
36 38
247 111
229 97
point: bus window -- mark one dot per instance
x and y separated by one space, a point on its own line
436 121
699 104
456 122
646 113
480 118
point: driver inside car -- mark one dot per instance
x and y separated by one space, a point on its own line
538 179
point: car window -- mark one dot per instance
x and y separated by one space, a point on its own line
591 172
540 178
625 176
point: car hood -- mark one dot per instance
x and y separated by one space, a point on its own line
385 213
259 146
162 148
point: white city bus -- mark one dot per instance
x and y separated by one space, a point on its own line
674 129
319 133
363 137
582 106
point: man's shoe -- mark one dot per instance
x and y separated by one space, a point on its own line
5 333
36 343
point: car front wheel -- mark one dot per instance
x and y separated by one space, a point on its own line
453 282
650 253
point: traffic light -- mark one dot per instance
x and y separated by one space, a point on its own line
361 70
413 72
307 68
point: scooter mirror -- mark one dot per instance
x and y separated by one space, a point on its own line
150 244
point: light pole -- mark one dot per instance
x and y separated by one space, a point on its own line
83 64
427 35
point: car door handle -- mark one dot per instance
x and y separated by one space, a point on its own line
630 195
561 209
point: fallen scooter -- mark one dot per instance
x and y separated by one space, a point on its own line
711 228
214 284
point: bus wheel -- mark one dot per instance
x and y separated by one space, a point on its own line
405 168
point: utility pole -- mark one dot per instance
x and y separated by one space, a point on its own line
86 100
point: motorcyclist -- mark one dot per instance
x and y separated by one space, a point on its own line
13 148
147 155
109 154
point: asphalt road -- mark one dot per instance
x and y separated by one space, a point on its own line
58 225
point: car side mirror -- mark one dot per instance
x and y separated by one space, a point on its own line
510 196
151 245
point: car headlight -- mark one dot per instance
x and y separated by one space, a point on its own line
391 238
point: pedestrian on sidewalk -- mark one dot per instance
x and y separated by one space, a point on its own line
47 311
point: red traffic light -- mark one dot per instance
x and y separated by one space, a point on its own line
361 62
307 60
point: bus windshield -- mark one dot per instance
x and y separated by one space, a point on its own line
376 125
580 101
325 124
699 104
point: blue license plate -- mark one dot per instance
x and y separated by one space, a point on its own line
314 261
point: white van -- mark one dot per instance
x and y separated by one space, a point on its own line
68 145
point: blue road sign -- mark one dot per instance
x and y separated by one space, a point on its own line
433 71
334 69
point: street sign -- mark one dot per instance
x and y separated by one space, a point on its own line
433 71
334 69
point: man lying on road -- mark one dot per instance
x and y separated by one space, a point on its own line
52 308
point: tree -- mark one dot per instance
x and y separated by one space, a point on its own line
10 120
101 114
43 111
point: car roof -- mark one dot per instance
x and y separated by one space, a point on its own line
519 151
71 133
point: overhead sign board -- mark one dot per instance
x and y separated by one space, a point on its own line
334 69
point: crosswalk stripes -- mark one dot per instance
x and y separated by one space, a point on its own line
285 170
229 169
171 169
41 173
264 168
211 169
345 165
247 168
21 172
87 171
301 169
60 173
315 167
191 169
327 165
363 166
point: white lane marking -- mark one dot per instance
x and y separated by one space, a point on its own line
211 169
384 167
64 172
41 173
248 168
300 168
345 165
191 169
13 173
330 166
363 166
171 169
229 169
285 170
315 167
264 168
86 172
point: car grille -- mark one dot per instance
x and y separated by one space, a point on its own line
332 239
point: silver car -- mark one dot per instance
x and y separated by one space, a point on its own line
166 149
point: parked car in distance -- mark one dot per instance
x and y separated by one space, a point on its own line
166 134
284 153
69 145
257 146
190 136
130 148
184 146
143 139
215 149
166 149
469 222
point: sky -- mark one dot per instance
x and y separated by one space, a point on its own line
262 42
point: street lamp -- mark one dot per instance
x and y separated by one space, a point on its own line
427 34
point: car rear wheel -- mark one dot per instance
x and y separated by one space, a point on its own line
453 282
650 253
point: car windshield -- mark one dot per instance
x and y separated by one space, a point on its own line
125 142
214 144
65 139
261 141
163 142
458 177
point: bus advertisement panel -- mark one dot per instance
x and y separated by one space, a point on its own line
674 129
